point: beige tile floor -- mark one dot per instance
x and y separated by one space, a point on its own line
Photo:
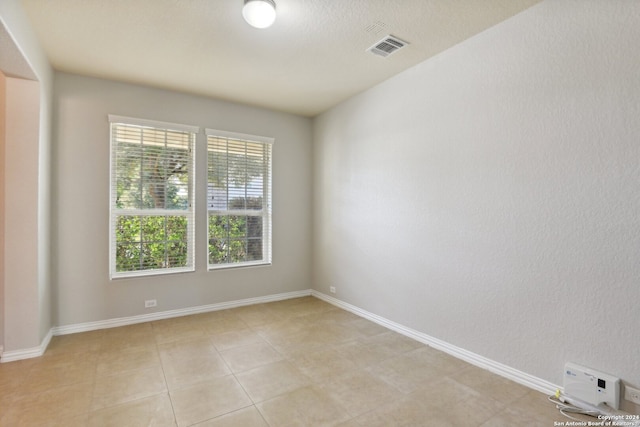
300 362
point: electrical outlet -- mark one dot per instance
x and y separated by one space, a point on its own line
632 394
150 303
332 289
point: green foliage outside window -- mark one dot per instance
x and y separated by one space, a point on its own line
152 169
151 199
238 180
236 238
150 242
152 178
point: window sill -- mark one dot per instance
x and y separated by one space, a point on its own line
147 273
239 265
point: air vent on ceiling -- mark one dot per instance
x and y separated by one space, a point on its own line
387 46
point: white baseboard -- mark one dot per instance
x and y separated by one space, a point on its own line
475 359
124 321
27 353
10 356
460 353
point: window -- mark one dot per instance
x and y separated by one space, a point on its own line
152 204
238 199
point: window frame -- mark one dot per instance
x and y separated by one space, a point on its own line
267 200
189 213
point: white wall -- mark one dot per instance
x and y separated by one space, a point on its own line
490 197
81 198
3 103
27 292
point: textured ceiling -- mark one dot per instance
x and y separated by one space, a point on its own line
12 62
312 58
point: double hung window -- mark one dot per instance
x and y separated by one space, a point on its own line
152 201
238 199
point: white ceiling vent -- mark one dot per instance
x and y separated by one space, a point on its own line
387 46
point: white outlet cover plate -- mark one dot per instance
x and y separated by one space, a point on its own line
632 394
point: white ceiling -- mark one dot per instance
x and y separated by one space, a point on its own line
312 58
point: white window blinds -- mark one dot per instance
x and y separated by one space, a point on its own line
238 199
152 203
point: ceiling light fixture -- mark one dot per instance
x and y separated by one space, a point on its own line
259 13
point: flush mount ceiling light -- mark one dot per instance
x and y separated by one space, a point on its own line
259 13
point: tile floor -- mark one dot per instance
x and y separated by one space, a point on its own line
299 362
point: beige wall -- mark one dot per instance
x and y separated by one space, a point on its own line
27 274
21 297
84 292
